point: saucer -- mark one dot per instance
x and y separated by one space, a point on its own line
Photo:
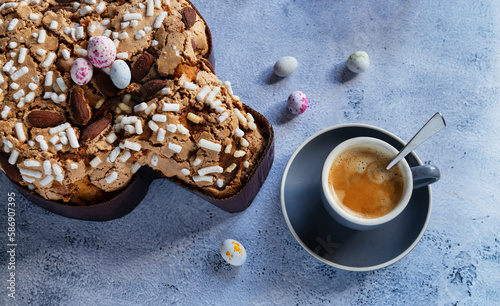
327 240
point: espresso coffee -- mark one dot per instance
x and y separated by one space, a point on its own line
362 186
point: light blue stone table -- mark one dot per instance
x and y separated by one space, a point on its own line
426 56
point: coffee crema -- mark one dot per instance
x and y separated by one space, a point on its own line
362 186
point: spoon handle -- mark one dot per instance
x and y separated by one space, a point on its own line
434 125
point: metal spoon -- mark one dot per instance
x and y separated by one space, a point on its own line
434 125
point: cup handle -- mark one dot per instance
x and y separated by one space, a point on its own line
425 175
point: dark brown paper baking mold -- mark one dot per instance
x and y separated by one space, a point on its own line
132 195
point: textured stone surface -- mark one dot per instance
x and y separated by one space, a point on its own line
426 56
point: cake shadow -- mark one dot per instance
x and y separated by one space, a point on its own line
166 221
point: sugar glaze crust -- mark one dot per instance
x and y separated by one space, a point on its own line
176 117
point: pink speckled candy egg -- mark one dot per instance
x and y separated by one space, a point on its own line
101 51
297 103
81 71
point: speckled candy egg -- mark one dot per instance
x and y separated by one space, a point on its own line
101 51
297 102
358 62
81 71
120 74
285 66
233 252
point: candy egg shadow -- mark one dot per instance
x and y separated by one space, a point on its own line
219 267
270 77
284 115
341 74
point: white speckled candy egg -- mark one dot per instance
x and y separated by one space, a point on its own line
297 102
81 71
358 62
120 74
233 252
101 51
285 66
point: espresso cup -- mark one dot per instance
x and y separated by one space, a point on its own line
359 193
